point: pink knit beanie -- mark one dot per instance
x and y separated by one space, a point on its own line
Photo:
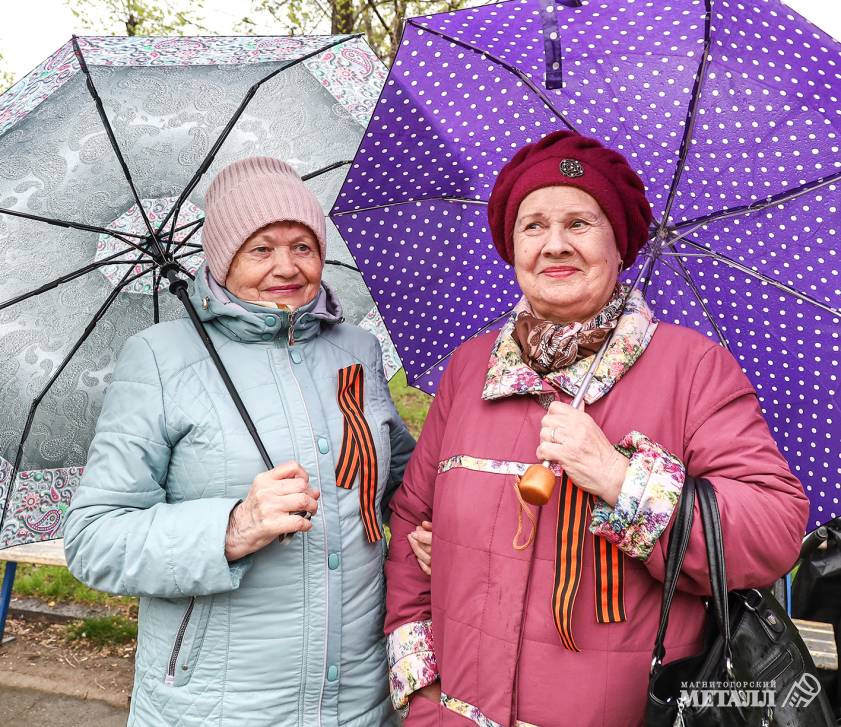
245 197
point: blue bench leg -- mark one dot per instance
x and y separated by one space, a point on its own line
788 593
6 597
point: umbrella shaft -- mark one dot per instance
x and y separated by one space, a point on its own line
178 287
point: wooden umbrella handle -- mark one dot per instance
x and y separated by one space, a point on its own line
537 484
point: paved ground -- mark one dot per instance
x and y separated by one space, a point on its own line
31 708
46 680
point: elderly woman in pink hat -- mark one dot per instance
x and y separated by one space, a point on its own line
547 615
236 626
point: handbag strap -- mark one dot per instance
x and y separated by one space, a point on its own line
678 543
711 521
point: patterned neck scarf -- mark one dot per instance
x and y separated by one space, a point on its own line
549 347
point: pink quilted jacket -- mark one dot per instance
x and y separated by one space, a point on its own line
484 624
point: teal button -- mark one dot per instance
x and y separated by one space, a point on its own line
267 336
332 673
333 561
323 445
296 356
270 320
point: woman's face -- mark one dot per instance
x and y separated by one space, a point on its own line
565 255
280 263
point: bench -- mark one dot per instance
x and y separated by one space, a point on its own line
50 552
818 636
820 639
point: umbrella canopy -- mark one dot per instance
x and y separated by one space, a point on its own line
106 152
730 114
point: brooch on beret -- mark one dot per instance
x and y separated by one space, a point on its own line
571 168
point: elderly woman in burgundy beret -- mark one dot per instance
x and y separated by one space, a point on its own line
547 615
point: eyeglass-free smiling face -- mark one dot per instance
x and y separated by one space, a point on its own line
565 254
280 263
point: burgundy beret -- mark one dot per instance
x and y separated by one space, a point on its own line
567 158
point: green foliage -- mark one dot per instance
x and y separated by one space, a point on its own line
103 631
6 78
380 20
139 17
412 404
56 584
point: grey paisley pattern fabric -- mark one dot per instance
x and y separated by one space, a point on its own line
56 161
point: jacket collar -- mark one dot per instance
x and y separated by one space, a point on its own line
509 376
247 322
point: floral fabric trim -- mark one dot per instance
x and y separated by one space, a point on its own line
411 661
479 464
361 66
38 502
646 501
473 713
508 375
467 710
353 75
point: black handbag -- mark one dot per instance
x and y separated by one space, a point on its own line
755 669
816 594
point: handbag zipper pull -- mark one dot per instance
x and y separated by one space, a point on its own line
767 716
679 721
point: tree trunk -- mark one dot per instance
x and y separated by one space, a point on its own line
341 20
131 24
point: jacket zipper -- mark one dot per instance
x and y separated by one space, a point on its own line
779 665
305 544
179 638
302 695
290 339
290 336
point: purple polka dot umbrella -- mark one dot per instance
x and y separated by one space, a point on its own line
729 110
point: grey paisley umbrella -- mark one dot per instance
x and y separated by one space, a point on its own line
106 150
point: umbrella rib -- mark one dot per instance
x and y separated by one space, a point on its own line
121 236
653 261
100 108
697 293
110 260
186 241
211 155
759 205
835 312
324 170
691 116
156 310
460 200
477 332
103 309
181 228
341 264
507 66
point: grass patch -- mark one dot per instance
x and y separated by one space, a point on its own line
103 631
56 584
412 404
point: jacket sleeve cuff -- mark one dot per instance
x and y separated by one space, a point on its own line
411 661
649 495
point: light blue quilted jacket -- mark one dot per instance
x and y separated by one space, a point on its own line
291 635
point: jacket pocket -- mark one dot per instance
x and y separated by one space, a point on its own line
187 642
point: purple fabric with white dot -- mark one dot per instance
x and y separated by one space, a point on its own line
745 189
